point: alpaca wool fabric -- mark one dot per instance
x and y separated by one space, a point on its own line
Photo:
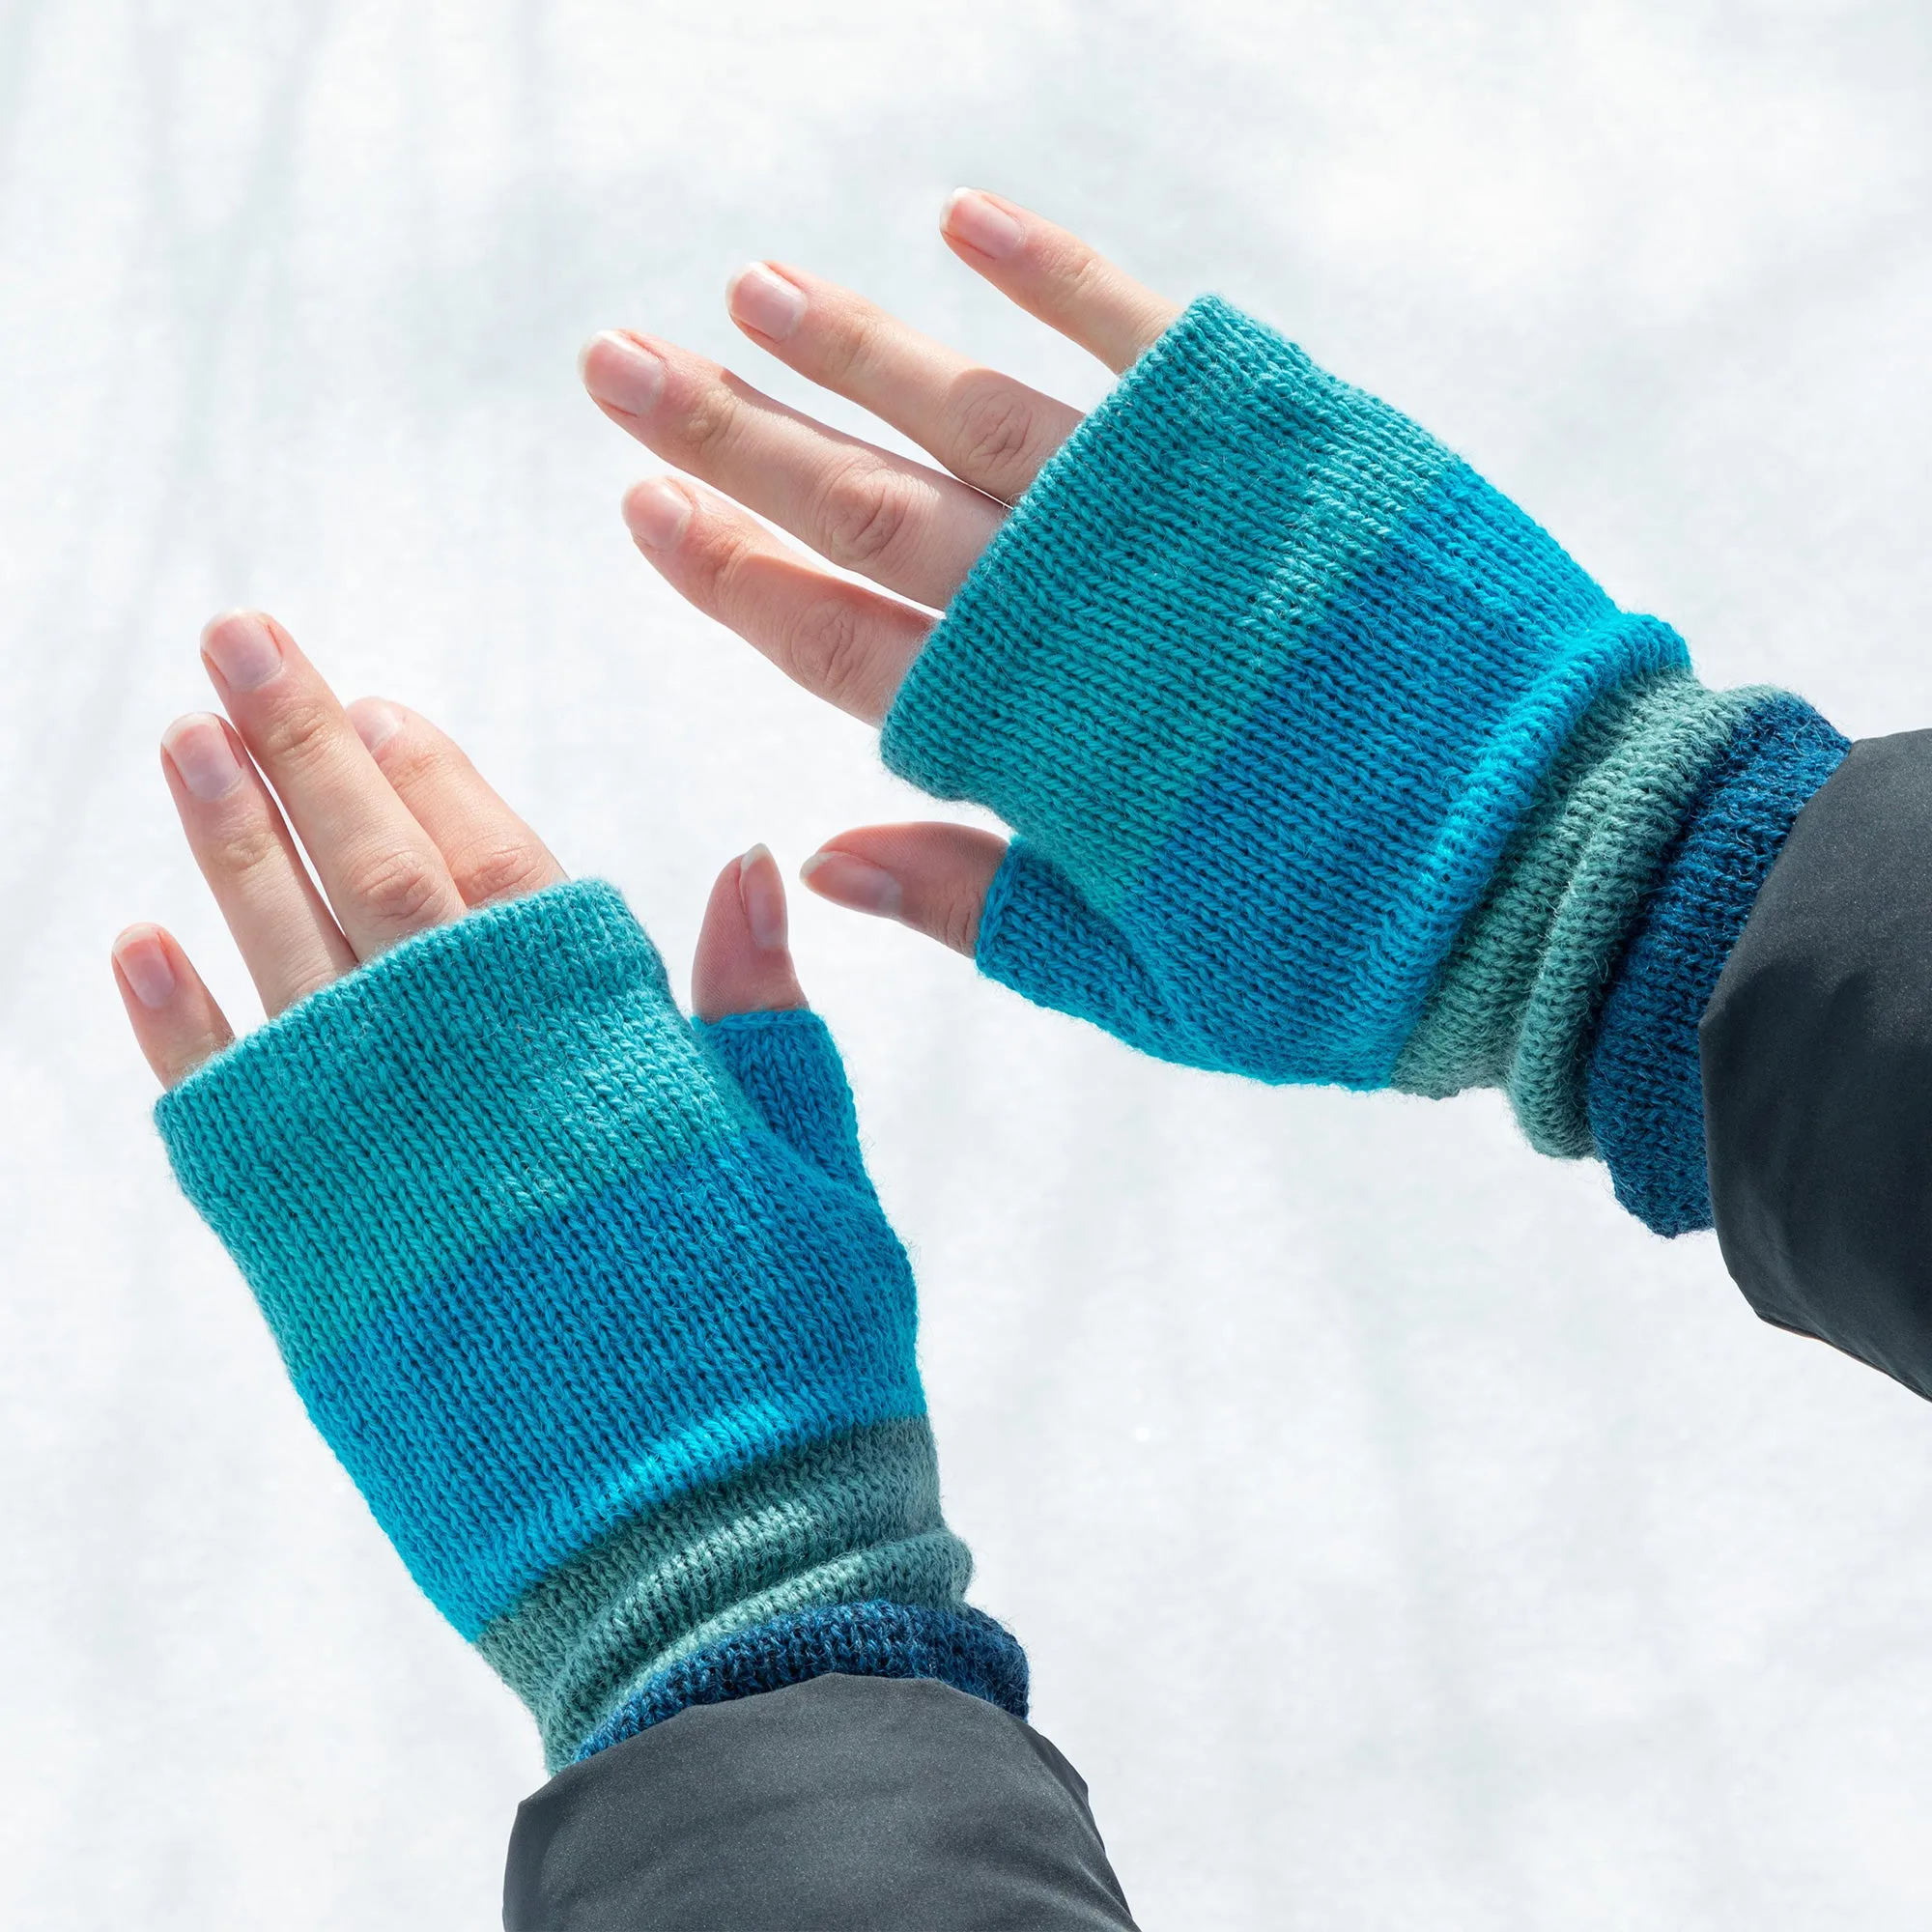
1325 763
597 1307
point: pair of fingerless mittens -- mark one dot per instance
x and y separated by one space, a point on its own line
600 1312
1329 765
1326 764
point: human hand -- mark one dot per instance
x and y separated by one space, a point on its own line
914 531
581 1295
401 832
1325 763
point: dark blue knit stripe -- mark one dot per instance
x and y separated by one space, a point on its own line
964 1648
1646 1097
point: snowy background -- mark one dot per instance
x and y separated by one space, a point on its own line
1400 1535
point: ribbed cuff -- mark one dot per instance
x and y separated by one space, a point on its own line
962 1647
1646 1097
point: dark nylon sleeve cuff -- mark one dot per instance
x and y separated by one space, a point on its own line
1817 1065
847 1803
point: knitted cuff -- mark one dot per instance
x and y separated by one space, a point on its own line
617 1344
1645 1085
957 1646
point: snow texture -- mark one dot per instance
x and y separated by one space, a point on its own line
1402 1536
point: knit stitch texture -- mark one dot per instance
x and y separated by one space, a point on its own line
1325 763
598 1308
960 1647
1646 1103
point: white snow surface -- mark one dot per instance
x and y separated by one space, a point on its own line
1400 1535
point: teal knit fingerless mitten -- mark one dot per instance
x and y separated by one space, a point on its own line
1329 765
600 1314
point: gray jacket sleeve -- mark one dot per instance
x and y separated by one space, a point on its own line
866 1804
1816 1051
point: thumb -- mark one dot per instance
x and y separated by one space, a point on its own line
744 962
933 878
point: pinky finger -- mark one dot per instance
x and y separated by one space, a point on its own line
1056 276
176 1021
933 878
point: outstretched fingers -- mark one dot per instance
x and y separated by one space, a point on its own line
910 528
989 430
932 877
381 872
1056 276
325 835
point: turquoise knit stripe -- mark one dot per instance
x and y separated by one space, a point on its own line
430 1093
843 1521
621 1351
1517 1000
1362 829
1378 660
1192 533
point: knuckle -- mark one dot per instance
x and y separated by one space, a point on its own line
1077 273
866 513
846 348
297 734
824 650
399 890
408 762
244 846
996 430
960 924
708 418
717 566
491 873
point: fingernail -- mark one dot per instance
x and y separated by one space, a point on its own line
982 224
657 513
243 648
622 372
765 301
376 720
761 893
852 882
143 961
198 749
